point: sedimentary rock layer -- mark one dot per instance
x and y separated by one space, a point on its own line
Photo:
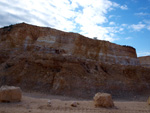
56 62
145 61
28 37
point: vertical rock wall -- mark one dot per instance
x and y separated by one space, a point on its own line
28 37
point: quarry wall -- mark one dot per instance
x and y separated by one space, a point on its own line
145 61
54 41
48 60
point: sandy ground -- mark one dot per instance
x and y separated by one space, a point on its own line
38 103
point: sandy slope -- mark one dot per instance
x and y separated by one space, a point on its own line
34 103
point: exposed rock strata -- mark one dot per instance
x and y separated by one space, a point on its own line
145 61
25 37
52 61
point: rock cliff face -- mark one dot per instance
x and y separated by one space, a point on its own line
145 61
25 37
52 61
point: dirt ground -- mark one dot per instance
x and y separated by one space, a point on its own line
38 103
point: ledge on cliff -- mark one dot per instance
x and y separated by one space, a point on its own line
145 61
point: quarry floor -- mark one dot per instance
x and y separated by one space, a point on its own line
38 103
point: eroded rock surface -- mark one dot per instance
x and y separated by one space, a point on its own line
103 100
145 61
52 61
24 37
10 94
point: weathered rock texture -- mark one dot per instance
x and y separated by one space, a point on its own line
52 61
10 94
103 100
145 61
25 37
148 100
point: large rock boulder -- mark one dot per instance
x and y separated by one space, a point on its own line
10 94
148 100
103 100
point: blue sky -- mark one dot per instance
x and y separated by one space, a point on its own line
125 22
